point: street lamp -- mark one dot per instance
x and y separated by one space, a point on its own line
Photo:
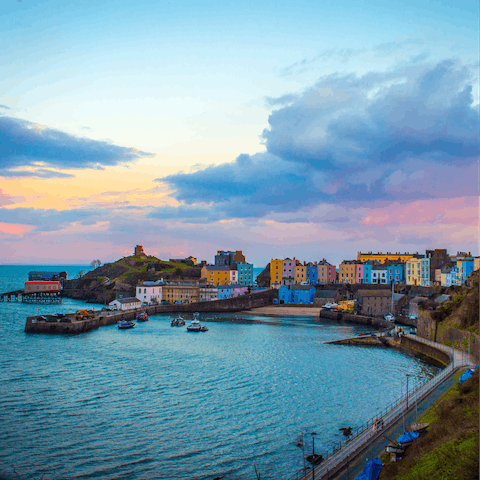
313 455
407 375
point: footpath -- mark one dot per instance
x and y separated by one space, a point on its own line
348 459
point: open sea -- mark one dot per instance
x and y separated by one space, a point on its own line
158 402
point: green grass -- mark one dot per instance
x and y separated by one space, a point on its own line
446 462
430 415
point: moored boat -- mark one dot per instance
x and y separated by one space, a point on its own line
177 322
194 326
204 328
143 317
124 324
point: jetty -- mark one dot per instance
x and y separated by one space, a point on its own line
47 298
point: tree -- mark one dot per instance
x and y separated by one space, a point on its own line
95 264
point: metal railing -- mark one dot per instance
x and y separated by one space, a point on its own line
341 451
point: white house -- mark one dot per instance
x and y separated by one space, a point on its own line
126 303
208 293
149 293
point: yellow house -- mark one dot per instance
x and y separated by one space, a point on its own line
276 269
413 271
180 293
347 272
217 275
383 257
300 274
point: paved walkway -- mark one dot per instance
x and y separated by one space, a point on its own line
351 450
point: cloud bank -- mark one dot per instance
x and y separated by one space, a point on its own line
403 136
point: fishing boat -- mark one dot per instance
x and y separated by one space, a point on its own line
143 317
204 328
124 324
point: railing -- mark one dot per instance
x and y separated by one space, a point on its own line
343 450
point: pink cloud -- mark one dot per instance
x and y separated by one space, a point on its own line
15 229
463 211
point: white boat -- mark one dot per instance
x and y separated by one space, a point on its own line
390 317
194 326
329 306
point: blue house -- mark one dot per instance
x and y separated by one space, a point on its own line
303 294
245 273
224 291
367 272
285 295
312 274
396 273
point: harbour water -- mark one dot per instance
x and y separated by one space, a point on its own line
158 402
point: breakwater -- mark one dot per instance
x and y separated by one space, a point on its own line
68 324
360 319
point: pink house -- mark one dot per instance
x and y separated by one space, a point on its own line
359 273
288 268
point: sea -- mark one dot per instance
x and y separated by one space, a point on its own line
157 402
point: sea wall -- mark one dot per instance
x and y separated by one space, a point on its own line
35 326
429 353
103 318
359 319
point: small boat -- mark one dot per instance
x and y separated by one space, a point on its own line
394 448
371 471
419 427
407 438
204 328
194 326
177 322
124 324
143 317
390 317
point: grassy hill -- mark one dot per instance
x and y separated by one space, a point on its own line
105 282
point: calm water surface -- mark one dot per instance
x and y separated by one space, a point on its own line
158 402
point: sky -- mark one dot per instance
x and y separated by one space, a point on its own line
282 129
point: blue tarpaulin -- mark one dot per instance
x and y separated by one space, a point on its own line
467 375
371 471
407 437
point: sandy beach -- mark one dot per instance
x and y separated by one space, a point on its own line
280 311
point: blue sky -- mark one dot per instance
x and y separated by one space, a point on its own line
313 112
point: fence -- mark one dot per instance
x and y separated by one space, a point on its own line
341 452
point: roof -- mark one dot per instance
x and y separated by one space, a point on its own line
126 301
302 287
397 296
217 267
417 299
374 293
442 298
325 293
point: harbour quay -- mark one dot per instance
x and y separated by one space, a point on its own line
73 323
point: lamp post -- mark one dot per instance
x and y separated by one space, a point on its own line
313 455
407 375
